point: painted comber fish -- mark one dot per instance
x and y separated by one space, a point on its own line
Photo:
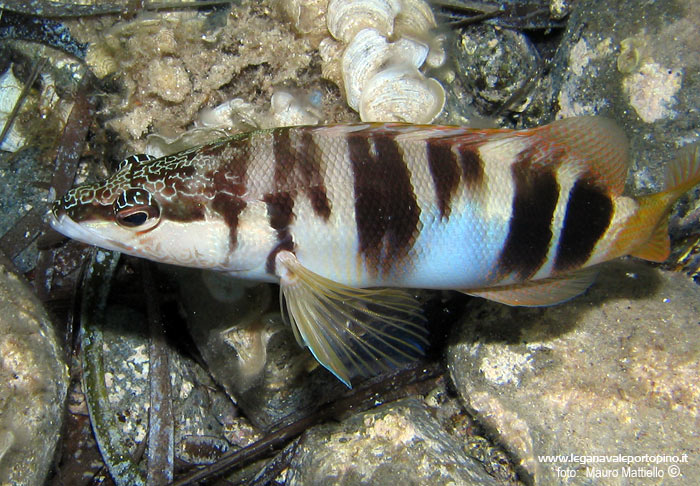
346 217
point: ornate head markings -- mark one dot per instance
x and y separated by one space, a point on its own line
139 192
136 208
92 201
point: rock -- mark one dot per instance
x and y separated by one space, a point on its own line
201 412
492 65
615 371
33 384
397 443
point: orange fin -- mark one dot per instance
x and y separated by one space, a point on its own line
684 173
658 248
538 293
681 176
596 142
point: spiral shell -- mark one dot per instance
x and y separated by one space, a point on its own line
306 15
369 52
290 109
401 93
345 18
331 52
100 60
414 18
385 43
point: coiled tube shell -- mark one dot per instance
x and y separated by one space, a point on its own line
401 93
368 53
386 42
345 18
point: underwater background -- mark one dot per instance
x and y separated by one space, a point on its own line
118 371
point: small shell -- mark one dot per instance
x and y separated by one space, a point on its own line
160 145
201 449
437 54
411 51
401 93
631 53
331 51
100 60
414 19
290 110
369 52
307 16
345 18
234 114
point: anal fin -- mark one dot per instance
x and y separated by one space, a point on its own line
350 331
537 293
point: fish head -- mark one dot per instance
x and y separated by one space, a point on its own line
157 210
111 214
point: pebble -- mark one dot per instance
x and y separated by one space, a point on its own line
33 385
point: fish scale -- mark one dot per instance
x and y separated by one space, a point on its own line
346 217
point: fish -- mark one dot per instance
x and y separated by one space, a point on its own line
349 219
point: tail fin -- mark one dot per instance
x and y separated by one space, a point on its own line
681 176
684 173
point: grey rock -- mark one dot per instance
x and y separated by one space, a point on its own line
495 63
396 443
201 412
615 371
33 384
487 66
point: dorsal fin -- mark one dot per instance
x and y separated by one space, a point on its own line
684 172
596 142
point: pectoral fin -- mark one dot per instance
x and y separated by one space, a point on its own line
537 293
350 331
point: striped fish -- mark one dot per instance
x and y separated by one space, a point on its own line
346 217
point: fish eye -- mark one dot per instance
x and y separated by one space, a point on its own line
135 208
133 220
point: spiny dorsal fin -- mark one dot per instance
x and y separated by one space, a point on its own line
351 332
537 293
597 142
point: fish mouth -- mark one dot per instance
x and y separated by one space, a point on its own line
65 225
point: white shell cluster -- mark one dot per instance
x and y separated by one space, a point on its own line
288 108
377 51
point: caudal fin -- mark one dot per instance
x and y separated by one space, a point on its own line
684 173
681 176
